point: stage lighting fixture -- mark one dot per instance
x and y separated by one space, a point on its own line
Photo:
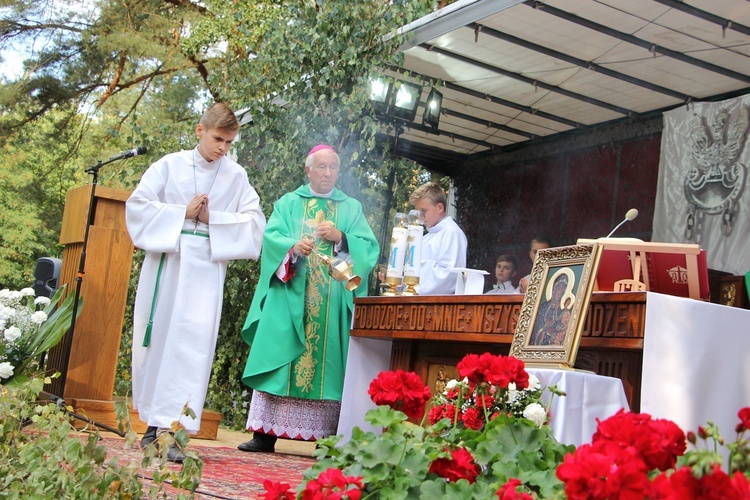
431 115
380 92
405 100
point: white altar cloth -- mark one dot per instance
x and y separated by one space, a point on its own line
365 360
590 396
696 362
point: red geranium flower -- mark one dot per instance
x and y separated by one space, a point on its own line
495 370
716 485
472 419
667 442
485 401
331 484
744 415
659 441
460 466
506 369
508 491
741 485
585 474
276 490
403 391
435 414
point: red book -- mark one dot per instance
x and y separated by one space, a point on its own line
667 271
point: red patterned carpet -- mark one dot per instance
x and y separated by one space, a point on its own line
228 472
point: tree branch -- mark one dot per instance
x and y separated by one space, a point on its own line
115 79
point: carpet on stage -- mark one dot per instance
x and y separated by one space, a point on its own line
228 472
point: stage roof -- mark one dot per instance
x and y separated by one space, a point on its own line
514 71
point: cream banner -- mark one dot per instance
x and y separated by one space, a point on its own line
702 195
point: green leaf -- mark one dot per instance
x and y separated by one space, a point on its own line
383 416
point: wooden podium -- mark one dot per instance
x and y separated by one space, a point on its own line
95 347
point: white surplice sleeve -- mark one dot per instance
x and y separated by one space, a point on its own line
239 234
154 225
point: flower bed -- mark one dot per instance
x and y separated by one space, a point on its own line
486 437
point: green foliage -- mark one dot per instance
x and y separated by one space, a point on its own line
43 456
395 463
35 175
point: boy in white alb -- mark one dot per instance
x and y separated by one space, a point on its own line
192 212
443 247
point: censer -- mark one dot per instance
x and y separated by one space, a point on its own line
340 270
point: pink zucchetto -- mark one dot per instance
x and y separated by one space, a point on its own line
320 147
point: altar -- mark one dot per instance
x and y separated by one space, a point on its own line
430 334
682 359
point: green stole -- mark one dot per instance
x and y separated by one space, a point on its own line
309 368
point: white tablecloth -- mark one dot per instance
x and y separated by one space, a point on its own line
574 416
696 362
366 358
589 397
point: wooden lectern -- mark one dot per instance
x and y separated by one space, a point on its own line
627 265
95 347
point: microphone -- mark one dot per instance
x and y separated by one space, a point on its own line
130 153
632 214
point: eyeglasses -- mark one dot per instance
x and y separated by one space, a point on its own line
322 168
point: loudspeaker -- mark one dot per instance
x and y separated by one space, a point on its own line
46 275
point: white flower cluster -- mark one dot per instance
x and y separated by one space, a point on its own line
18 319
525 403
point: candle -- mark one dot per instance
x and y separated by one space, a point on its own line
413 261
396 257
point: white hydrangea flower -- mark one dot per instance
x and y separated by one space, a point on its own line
6 370
27 292
12 334
4 294
39 317
535 412
14 295
42 301
534 383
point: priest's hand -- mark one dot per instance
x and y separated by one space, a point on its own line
522 285
304 247
327 231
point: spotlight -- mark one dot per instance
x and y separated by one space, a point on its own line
380 92
405 100
431 115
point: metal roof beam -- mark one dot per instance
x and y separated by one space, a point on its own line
625 37
579 62
430 130
726 24
530 81
450 18
489 123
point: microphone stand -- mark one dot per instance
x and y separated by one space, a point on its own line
68 338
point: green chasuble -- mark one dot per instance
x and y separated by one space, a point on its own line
298 331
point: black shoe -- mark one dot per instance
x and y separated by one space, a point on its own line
148 437
263 443
174 454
